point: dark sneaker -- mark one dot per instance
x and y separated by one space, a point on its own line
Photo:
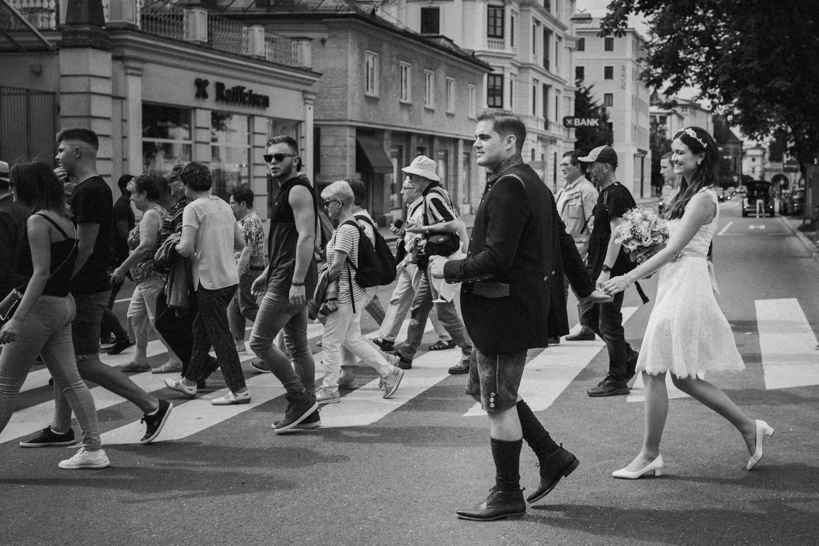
311 421
120 346
403 362
49 438
581 336
155 422
554 341
297 412
385 344
609 387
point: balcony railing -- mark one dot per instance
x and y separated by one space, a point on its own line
42 14
165 21
496 43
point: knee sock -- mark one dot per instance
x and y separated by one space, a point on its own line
534 433
507 464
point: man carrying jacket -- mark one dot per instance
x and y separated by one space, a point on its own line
513 299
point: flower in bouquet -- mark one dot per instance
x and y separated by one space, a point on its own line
641 232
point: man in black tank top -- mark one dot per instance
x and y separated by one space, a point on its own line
289 277
91 205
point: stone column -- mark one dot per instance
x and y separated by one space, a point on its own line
307 151
133 114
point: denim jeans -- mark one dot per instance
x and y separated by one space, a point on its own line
276 313
47 331
210 329
343 329
606 320
447 314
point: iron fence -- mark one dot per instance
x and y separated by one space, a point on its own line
28 121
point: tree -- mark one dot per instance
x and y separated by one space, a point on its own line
757 62
586 107
660 144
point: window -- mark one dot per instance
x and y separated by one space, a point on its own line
431 20
558 50
494 90
371 74
512 23
608 72
512 79
473 101
547 47
608 44
429 89
581 44
406 79
495 22
557 105
608 99
579 73
229 151
535 32
547 5
450 95
545 101
535 87
166 138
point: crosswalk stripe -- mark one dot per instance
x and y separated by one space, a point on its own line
787 344
547 375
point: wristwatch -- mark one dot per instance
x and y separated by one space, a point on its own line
606 269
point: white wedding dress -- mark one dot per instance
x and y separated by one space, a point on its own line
687 332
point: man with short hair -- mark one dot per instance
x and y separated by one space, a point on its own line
289 277
607 259
575 204
438 216
12 232
249 262
122 222
670 179
91 205
513 299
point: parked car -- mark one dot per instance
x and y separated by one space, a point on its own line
796 202
758 190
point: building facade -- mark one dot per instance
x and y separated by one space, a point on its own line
529 46
612 66
686 113
160 85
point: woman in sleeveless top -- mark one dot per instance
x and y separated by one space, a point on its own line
142 241
42 322
687 332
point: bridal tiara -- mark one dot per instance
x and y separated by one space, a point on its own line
693 134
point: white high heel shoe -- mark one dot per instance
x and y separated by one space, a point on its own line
655 467
762 430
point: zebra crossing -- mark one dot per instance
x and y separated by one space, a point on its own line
787 345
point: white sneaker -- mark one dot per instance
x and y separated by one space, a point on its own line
86 459
391 382
232 398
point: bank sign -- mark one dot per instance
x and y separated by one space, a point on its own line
572 121
235 95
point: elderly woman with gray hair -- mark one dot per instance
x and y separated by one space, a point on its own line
343 326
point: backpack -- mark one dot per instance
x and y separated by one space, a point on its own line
369 270
383 252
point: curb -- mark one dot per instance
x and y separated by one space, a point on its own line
801 236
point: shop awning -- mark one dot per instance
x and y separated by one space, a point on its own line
373 148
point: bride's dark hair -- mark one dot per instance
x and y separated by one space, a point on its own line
698 140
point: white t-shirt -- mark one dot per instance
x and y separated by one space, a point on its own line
345 239
213 262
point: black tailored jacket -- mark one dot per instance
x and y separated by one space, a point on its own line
518 240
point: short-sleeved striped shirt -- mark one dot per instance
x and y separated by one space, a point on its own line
345 239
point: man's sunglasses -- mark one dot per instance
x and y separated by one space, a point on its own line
269 158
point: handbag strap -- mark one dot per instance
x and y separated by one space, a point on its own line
64 234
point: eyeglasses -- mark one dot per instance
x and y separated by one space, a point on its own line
269 158
328 203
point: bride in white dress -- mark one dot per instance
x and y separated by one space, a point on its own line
687 332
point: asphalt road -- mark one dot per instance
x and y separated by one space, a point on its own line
393 472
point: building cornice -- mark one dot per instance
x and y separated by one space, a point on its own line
393 127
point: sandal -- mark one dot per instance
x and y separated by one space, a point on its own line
442 345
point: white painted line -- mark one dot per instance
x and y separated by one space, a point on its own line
547 375
756 227
723 230
787 344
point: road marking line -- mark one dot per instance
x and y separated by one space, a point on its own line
547 375
756 227
787 344
723 230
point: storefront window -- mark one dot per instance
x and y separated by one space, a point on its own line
230 152
166 138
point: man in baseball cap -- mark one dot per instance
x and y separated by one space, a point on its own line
601 154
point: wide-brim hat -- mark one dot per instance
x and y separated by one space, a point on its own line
601 154
423 166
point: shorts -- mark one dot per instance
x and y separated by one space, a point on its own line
85 328
494 379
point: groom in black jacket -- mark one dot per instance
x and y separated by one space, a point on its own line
513 299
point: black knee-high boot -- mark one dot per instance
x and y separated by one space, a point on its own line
555 462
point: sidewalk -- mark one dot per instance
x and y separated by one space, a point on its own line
808 238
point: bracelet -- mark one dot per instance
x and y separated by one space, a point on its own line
293 283
628 281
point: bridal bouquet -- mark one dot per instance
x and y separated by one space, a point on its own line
642 233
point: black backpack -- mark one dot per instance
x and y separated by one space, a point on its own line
376 264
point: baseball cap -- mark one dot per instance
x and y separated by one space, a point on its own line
423 166
174 174
601 154
5 172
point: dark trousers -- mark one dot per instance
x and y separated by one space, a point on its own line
176 328
210 328
110 324
606 320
